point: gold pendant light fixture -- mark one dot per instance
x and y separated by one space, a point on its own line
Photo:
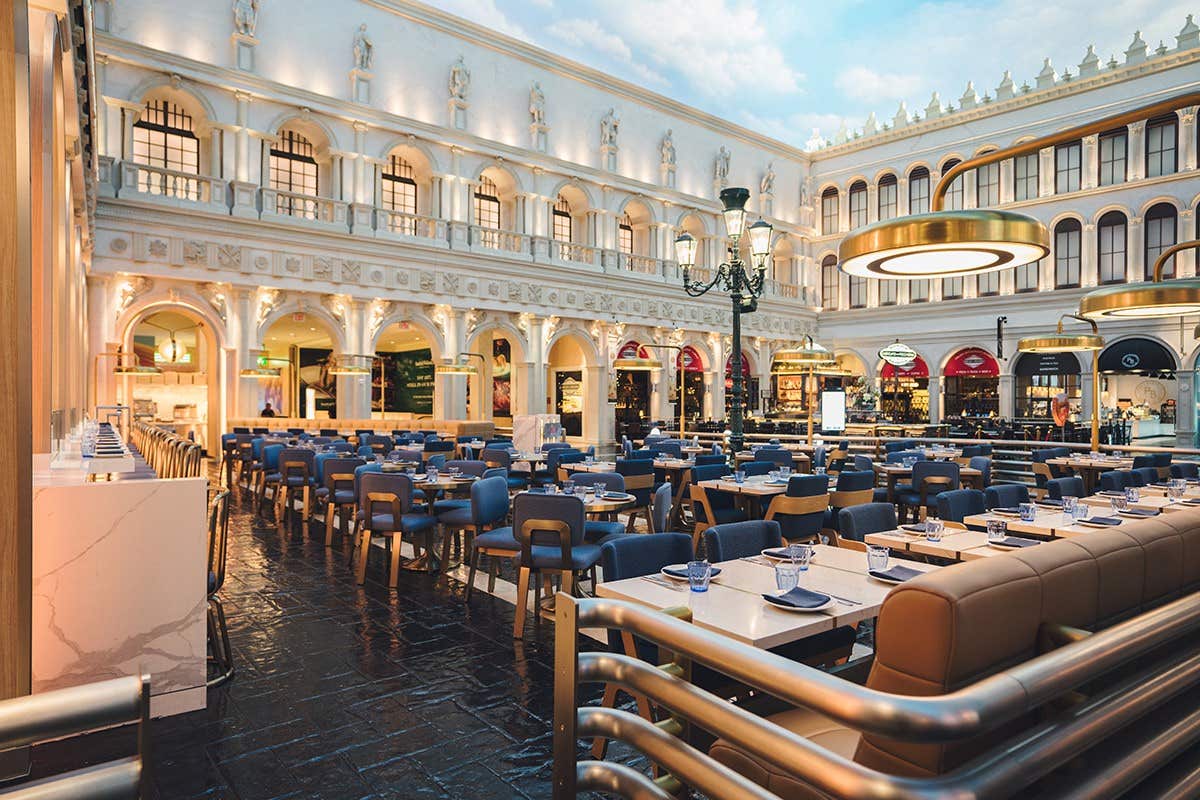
799 360
948 244
459 366
1154 298
355 364
1059 342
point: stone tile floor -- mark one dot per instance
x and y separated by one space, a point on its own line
353 692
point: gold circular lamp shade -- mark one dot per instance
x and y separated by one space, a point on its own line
637 364
943 244
456 369
800 360
1061 343
1168 298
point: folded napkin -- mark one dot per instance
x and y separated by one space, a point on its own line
1102 521
1015 541
1111 494
917 528
798 598
778 482
1192 502
896 573
1048 502
1140 512
777 552
1012 511
681 572
614 495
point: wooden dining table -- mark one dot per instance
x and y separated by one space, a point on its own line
1090 468
1046 524
955 545
733 605
893 473
800 461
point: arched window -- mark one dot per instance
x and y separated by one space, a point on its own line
829 211
294 169
987 185
562 220
889 291
1161 135
1114 147
888 206
1025 177
1110 245
858 292
829 283
1160 234
954 194
487 211
1067 254
1068 167
1025 277
625 235
918 291
858 204
398 192
164 136
918 191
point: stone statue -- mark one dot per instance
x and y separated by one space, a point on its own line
721 168
537 104
804 191
460 80
767 184
609 128
667 150
245 16
364 50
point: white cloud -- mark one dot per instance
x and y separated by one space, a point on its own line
867 85
486 13
588 33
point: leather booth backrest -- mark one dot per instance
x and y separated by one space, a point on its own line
957 625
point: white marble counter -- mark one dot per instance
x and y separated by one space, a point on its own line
119 586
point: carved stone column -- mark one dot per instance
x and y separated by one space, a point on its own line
1090 162
1135 163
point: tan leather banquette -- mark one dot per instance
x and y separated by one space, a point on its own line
485 429
954 626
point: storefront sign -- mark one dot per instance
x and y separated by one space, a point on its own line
1046 364
745 366
688 360
633 350
917 369
972 362
1137 355
898 354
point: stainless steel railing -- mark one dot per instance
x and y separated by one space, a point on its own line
68 712
977 709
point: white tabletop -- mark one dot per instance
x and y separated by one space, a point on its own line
733 605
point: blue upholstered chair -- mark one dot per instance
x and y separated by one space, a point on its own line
1162 463
1005 495
954 506
667 447
711 507
270 473
863 463
660 510
487 508
337 492
297 475
1185 469
853 488
707 459
774 456
1058 488
984 465
385 504
856 522
467 467
600 531
741 539
753 468
929 479
1144 476
550 530
502 457
378 444
1143 461
800 511
548 446
638 474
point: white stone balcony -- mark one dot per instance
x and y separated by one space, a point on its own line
643 265
574 252
494 240
278 205
400 226
170 187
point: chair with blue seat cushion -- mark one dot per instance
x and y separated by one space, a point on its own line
929 479
342 446
1162 463
1115 480
1144 476
1143 461
1058 488
711 506
984 465
406 454
660 510
487 509
337 492
955 505
733 540
894 447
547 472
378 444
863 463
970 451
818 456
321 441
466 467
385 502
643 454
1005 495
800 511
898 456
548 446
1185 469
704 459
774 456
365 451
568 457
668 447
856 522
270 474
601 530
439 446
498 457
550 531
638 475
297 475
853 488
755 468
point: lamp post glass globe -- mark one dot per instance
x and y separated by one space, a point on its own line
734 200
685 250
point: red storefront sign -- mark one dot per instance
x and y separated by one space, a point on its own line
688 360
917 369
972 362
745 366
633 349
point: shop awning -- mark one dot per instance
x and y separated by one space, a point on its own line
689 360
972 362
632 349
917 369
1138 356
1029 364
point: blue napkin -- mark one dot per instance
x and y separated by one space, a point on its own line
1048 502
677 572
1016 541
614 495
896 573
1111 494
1007 510
777 552
1141 512
798 598
916 528
1103 520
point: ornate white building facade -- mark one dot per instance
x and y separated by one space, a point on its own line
387 162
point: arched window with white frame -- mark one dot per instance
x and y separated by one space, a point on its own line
563 228
165 137
954 192
398 192
625 235
858 204
293 171
1160 226
829 211
918 191
888 203
1111 247
487 211
1067 249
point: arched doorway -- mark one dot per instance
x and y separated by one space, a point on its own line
498 394
633 393
566 362
1138 392
402 380
302 344
186 394
904 392
689 366
970 385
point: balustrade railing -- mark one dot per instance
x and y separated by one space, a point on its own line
643 265
162 182
497 239
281 203
398 223
573 252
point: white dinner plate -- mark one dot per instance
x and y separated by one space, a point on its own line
825 607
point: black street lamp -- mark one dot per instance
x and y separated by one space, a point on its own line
744 285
